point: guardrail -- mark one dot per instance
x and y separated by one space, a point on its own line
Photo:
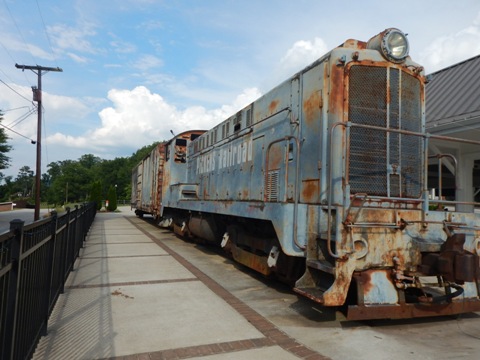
35 261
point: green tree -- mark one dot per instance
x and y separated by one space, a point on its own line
6 189
89 161
112 198
112 172
25 181
70 181
4 148
96 194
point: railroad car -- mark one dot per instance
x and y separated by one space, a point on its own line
323 183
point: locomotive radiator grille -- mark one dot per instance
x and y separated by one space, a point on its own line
384 163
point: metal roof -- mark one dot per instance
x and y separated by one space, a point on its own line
453 97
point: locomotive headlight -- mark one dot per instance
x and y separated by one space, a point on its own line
392 43
396 44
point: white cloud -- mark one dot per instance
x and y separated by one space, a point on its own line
112 66
147 62
10 42
77 58
453 48
123 47
139 117
63 108
59 112
67 37
301 54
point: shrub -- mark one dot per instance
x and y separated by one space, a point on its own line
96 194
112 198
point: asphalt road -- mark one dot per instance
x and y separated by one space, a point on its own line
22 214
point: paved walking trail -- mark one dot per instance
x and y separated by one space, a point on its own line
131 296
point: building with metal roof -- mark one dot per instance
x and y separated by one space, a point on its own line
453 109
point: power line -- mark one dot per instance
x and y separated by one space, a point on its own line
5 48
15 91
18 29
11 57
16 132
46 33
22 118
21 107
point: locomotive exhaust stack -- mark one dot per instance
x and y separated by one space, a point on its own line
323 183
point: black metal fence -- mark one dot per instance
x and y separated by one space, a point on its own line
35 260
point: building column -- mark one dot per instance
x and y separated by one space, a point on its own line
464 181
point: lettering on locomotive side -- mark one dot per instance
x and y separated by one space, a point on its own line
224 157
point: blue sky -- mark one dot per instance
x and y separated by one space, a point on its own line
135 69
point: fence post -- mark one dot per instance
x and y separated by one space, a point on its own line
12 291
51 261
78 229
85 221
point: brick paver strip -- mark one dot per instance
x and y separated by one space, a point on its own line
122 256
130 283
273 335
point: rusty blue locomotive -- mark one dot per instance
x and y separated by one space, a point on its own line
322 182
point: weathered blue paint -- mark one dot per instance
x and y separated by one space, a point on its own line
334 160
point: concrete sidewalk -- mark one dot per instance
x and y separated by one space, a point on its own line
132 297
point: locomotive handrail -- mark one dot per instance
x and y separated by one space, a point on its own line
368 225
297 174
329 196
425 200
365 197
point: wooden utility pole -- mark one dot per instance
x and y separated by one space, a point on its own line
37 96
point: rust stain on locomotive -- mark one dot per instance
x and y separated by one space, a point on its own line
364 280
256 262
337 294
276 156
165 181
312 106
310 190
336 95
205 193
369 281
272 108
158 192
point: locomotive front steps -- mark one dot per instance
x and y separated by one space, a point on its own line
326 283
322 265
312 284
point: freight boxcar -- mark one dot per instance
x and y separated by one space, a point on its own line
153 176
323 183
